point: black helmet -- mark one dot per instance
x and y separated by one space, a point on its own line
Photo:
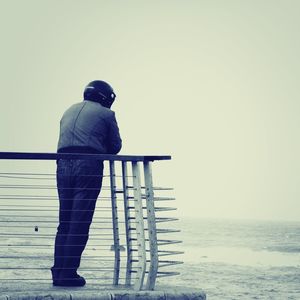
100 91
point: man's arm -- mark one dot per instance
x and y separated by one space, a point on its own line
114 139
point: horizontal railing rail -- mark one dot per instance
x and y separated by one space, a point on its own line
55 156
133 232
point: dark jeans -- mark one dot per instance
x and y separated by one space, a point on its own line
78 184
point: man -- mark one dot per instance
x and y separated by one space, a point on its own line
86 127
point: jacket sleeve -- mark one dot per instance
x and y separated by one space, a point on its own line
114 139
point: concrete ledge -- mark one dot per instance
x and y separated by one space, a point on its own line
170 293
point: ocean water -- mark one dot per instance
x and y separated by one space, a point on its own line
237 259
228 259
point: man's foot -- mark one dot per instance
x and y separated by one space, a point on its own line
55 274
74 280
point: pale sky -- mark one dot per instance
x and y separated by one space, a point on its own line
215 84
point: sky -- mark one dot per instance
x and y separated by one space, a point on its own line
212 83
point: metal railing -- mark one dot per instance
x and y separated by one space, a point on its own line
125 246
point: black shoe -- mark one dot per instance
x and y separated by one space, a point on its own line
74 280
55 275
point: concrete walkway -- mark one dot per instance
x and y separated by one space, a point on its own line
88 293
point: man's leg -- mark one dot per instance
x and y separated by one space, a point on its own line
87 183
65 193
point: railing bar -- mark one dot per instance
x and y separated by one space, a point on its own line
46 268
29 178
24 205
114 210
16 175
51 186
40 187
154 188
139 226
169 231
171 261
164 241
158 208
165 252
155 199
127 223
37 221
169 243
48 210
168 275
52 199
28 196
152 232
50 227
161 200
45 279
37 185
55 222
102 245
50 256
166 272
44 206
26 173
44 237
48 279
52 235
160 219
165 208
170 264
79 156
41 196
168 253
52 217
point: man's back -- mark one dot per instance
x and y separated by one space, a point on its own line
89 124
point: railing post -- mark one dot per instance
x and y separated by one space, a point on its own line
127 223
115 222
138 208
151 227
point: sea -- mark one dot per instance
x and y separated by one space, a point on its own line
240 259
227 259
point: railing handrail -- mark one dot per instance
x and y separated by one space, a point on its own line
55 156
